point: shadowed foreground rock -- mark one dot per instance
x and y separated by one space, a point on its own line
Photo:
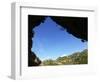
33 60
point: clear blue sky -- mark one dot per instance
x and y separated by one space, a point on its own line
51 41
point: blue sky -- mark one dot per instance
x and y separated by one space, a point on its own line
51 41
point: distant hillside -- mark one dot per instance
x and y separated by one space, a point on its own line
75 58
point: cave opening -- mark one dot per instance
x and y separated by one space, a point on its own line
75 26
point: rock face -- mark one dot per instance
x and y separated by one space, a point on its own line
33 60
32 22
77 26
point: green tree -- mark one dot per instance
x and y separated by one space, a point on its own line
49 62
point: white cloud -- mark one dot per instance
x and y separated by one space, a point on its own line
63 55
